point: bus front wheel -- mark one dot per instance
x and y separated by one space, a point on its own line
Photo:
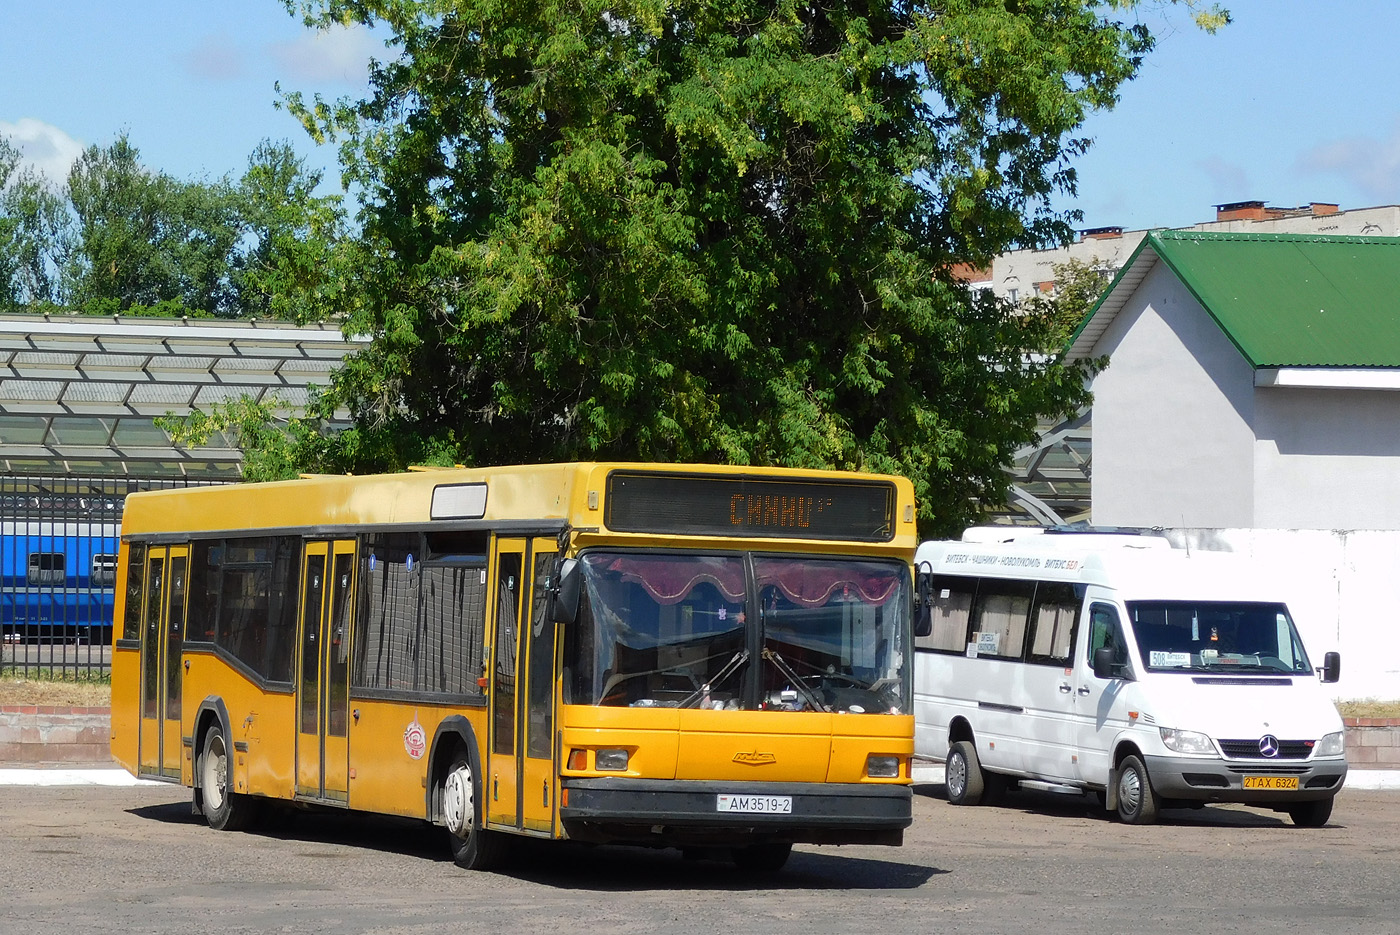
224 809
761 858
473 847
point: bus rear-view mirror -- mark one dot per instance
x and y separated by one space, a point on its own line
1331 667
566 591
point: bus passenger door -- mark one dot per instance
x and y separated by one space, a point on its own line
521 785
502 785
162 641
323 670
536 701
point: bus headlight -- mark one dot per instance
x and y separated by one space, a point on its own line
1331 745
1186 741
882 767
610 760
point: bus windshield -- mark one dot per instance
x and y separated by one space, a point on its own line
740 632
1194 636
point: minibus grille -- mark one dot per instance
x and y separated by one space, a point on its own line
1249 750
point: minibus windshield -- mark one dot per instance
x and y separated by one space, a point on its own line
740 632
1194 636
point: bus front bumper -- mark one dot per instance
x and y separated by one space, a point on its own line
674 813
1217 780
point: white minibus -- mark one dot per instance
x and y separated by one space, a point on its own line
1074 661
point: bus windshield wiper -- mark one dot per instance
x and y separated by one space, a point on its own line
730 667
781 665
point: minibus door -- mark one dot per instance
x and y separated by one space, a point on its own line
1099 710
162 641
522 773
323 670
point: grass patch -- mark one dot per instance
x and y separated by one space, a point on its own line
1369 707
90 691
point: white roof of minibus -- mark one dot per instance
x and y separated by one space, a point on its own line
1140 567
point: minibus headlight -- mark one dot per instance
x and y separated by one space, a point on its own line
1331 745
882 767
610 760
1186 741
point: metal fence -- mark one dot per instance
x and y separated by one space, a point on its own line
58 569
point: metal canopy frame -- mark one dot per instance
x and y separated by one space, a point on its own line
79 394
1050 479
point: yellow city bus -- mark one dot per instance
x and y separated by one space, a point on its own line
704 657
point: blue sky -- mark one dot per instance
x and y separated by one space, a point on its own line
1291 103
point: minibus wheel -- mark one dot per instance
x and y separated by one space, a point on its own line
224 809
473 847
1311 814
963 774
1138 802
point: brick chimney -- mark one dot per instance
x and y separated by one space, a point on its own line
1101 233
1241 211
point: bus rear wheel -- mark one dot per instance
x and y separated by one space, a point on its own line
473 847
224 809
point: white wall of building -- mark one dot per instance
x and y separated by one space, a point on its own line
1173 444
1342 588
1326 458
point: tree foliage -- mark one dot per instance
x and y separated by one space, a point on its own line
710 230
119 237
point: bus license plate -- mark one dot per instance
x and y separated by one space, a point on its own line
757 804
1271 782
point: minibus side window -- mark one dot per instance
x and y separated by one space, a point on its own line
1057 607
952 609
1105 631
1000 617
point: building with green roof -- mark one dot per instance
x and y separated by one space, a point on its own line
1251 382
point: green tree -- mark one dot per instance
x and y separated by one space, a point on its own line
710 230
295 239
35 234
1078 286
145 238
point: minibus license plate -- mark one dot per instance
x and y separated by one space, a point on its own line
761 804
1271 782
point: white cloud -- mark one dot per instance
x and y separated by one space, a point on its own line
45 148
1372 165
215 58
339 54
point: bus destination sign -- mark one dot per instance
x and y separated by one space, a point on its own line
739 505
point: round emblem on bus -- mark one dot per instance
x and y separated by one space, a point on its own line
1268 745
415 741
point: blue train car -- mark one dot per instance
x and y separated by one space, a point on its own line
57 580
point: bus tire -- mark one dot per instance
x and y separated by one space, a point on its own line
761 858
1311 814
473 847
224 809
1138 802
963 774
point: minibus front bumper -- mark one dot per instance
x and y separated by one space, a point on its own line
1221 780
688 812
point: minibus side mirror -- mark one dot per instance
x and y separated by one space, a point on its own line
566 585
923 603
1105 664
1331 667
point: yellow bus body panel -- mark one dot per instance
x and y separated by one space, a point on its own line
762 746
126 705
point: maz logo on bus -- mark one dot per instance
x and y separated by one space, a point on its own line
755 758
